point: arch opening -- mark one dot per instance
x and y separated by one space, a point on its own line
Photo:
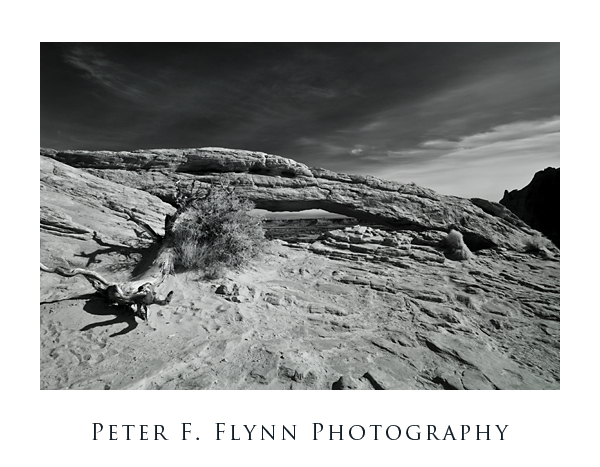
305 225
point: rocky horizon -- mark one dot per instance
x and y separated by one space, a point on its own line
378 304
538 203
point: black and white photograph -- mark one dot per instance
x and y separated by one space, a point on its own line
300 216
254 215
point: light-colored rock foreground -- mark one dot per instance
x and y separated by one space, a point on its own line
327 305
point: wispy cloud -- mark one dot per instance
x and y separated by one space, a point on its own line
101 70
479 165
501 134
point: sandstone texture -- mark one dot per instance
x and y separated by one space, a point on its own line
374 301
538 204
278 184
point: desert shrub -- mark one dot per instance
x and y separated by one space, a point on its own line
537 243
455 246
215 232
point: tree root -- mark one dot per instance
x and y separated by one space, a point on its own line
124 294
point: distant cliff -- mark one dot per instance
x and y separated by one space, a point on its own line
538 204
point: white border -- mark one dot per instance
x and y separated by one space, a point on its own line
545 427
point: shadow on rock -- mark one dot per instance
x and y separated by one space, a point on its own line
148 257
128 252
97 306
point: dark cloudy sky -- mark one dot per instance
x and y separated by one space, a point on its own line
467 119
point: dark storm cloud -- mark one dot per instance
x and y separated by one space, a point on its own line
347 107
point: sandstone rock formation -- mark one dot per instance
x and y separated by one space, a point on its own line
83 219
278 184
538 204
373 303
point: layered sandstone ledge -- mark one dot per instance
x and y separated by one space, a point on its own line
275 183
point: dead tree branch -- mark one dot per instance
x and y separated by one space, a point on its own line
149 230
123 294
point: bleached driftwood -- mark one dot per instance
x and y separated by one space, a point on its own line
124 293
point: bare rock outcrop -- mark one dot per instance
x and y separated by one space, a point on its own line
538 204
275 183
84 224
381 303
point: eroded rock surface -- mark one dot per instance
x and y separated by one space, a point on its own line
279 184
369 305
83 225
